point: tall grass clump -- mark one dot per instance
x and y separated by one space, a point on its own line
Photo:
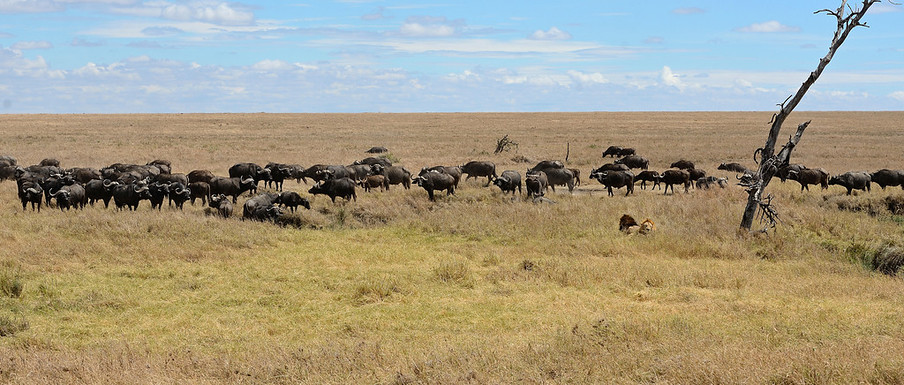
11 284
10 326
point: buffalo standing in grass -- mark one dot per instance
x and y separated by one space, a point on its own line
634 161
372 182
672 177
130 195
179 193
852 180
394 175
223 206
261 202
100 190
454 171
806 177
734 167
509 181
616 179
292 200
536 184
476 169
71 196
683 165
199 190
886 177
253 170
648 176
342 187
787 169
560 176
30 191
612 151
433 181
231 186
200 176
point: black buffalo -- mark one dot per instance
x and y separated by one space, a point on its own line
30 191
683 165
672 177
253 170
454 171
509 181
342 187
886 177
292 200
536 184
199 190
616 179
648 176
476 169
806 177
231 186
852 180
159 192
130 195
100 190
179 193
200 176
634 161
394 175
734 167
223 206
255 205
433 181
70 196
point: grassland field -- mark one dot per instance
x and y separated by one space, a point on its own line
473 288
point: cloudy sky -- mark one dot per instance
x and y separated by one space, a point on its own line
111 56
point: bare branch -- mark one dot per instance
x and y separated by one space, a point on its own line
769 161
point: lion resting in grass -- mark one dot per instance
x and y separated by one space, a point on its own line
628 225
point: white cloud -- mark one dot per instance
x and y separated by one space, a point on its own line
428 26
30 6
897 95
669 78
272 65
221 13
27 45
581 77
768 27
688 11
426 30
552 34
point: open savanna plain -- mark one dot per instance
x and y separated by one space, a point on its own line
473 288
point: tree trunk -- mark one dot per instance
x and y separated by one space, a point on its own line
769 162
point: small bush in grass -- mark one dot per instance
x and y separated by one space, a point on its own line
885 259
376 290
9 326
888 260
454 272
11 285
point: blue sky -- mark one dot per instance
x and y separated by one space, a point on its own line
134 56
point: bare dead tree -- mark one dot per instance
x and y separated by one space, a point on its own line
504 144
769 163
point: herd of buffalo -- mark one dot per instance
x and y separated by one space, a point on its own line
128 184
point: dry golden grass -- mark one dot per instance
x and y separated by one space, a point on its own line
474 288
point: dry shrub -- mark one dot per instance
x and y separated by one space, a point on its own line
373 290
11 284
10 326
895 204
888 260
859 203
457 272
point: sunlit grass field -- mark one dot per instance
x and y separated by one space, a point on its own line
473 288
